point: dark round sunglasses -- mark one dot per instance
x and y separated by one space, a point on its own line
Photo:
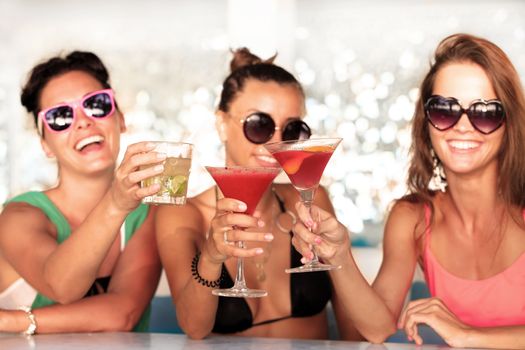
444 112
97 104
260 127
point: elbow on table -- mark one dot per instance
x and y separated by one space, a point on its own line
194 330
382 335
195 333
121 322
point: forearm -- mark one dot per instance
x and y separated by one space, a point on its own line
358 306
71 269
196 305
105 312
512 337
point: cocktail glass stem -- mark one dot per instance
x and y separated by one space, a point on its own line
314 264
307 197
240 282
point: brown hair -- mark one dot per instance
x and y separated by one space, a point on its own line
505 80
245 66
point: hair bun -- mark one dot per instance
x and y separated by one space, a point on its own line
242 57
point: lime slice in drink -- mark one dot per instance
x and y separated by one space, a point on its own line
178 185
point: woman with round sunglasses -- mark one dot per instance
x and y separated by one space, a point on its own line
260 102
463 219
81 256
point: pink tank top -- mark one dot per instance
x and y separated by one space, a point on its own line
495 301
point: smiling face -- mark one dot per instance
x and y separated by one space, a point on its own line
281 102
462 149
89 145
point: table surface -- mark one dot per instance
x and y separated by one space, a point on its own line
121 341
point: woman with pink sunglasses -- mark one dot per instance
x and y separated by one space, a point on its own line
463 219
81 256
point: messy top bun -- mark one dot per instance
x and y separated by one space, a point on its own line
245 66
243 57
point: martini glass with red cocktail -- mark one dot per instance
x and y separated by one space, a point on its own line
246 184
304 162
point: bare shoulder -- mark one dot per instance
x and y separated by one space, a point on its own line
23 216
405 218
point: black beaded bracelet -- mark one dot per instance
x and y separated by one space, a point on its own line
198 277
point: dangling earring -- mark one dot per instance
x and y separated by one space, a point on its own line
439 179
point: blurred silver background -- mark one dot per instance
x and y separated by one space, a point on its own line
360 62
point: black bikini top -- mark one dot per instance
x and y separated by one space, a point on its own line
309 294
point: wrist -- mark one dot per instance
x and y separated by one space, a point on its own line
27 324
210 253
472 337
112 208
208 277
211 259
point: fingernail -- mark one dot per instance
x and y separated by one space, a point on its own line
311 256
268 236
303 261
242 206
258 251
260 223
159 167
318 240
309 223
161 155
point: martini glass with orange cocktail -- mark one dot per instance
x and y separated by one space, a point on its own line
304 162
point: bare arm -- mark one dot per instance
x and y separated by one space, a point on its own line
373 311
64 272
180 234
132 286
497 338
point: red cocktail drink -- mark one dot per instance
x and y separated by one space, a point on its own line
304 162
304 167
246 184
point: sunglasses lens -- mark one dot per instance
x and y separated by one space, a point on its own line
442 113
259 128
296 130
59 118
99 105
486 117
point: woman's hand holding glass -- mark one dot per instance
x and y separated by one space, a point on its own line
231 225
126 191
329 236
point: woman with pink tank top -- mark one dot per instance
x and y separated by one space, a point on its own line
463 219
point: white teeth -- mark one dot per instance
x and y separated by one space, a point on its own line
463 144
88 140
267 159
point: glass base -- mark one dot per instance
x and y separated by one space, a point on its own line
240 293
313 267
155 199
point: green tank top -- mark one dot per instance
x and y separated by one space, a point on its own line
133 221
